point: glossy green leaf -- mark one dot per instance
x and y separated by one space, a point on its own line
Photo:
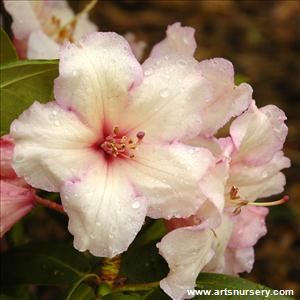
43 263
22 83
8 51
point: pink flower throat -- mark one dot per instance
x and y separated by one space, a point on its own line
117 145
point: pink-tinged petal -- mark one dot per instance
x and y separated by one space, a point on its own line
179 39
95 76
105 212
173 92
6 154
169 176
24 18
137 47
40 46
52 145
249 227
228 100
239 260
83 27
21 47
186 251
222 235
15 203
212 186
259 181
258 134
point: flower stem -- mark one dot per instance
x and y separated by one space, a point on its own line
50 204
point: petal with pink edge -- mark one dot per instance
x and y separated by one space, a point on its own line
105 212
258 134
239 260
180 39
256 182
249 227
52 145
186 251
95 76
228 100
168 176
15 203
167 105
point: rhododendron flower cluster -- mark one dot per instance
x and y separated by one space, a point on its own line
124 140
17 197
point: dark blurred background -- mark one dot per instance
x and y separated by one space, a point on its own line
262 39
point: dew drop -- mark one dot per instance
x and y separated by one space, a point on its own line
57 123
136 204
182 62
74 73
164 93
148 72
185 41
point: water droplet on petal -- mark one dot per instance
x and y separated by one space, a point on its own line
148 72
136 204
164 93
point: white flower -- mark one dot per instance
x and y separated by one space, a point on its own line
40 27
110 143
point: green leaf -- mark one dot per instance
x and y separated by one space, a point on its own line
22 83
151 233
213 282
43 263
143 264
82 292
8 51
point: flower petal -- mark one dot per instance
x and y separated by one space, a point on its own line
40 46
173 92
228 100
261 181
168 176
212 186
51 145
187 251
249 227
24 17
15 203
179 40
258 134
105 212
95 76
239 260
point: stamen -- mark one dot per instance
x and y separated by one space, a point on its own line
67 31
121 146
235 199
